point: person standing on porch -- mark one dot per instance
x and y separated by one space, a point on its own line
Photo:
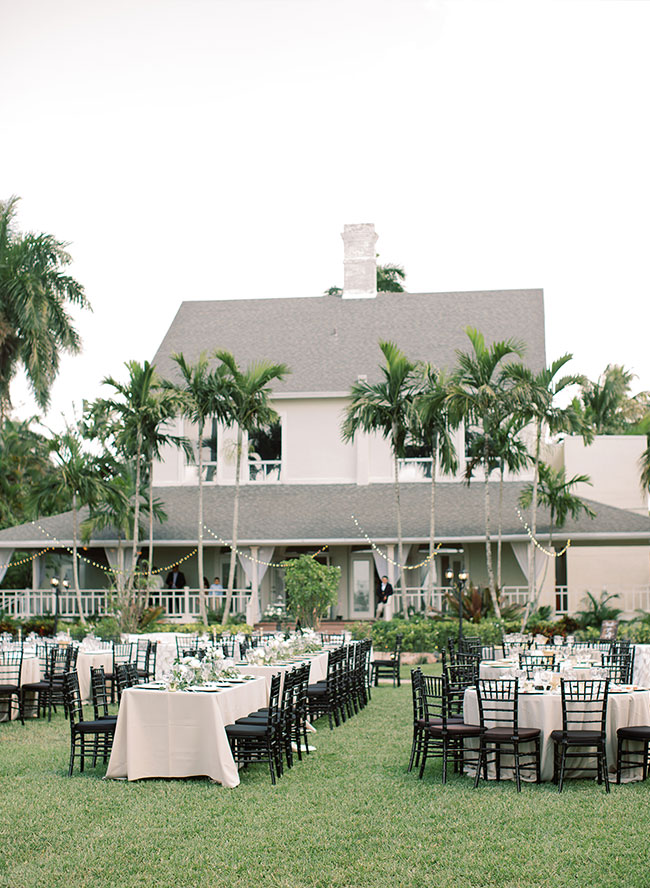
384 591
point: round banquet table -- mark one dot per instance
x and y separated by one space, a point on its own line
30 673
544 710
86 659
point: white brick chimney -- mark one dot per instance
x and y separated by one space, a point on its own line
359 261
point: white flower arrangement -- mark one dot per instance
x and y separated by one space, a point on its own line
192 671
279 649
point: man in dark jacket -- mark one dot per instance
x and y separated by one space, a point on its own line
384 591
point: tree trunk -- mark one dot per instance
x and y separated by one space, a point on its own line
150 565
432 526
136 510
75 567
202 605
400 546
531 604
488 546
235 522
500 532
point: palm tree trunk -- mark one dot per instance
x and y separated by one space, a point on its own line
500 532
75 567
400 545
488 546
432 526
531 604
235 523
150 521
136 509
202 606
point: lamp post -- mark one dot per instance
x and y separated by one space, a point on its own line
459 583
54 583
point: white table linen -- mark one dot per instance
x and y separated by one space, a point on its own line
180 734
544 711
86 659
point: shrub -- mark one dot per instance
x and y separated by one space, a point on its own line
43 625
421 633
8 624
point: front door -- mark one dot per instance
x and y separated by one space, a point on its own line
362 598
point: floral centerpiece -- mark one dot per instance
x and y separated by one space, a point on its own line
279 649
192 671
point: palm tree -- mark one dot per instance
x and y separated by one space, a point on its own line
479 395
130 411
77 473
555 492
432 429
390 278
247 407
201 395
385 407
35 327
163 407
535 399
606 405
507 452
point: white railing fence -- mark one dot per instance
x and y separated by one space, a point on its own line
179 604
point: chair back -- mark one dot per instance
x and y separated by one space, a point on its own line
121 679
498 703
142 654
618 666
132 674
397 650
532 663
72 698
457 678
584 704
73 653
228 646
185 643
11 667
122 653
98 690
274 700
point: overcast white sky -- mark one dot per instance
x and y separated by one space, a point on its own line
206 149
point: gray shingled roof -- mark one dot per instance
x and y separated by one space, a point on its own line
328 341
291 513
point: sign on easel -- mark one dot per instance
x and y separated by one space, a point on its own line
608 630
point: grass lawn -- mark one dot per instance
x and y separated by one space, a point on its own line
348 816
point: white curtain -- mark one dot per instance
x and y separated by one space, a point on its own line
120 558
5 558
254 571
393 572
520 551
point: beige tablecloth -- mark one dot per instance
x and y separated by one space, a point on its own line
30 673
180 734
544 711
85 660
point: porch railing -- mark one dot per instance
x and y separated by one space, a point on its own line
179 604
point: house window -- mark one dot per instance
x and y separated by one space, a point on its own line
561 586
265 454
209 455
416 465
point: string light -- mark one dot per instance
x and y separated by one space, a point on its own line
11 563
390 560
547 552
252 558
103 567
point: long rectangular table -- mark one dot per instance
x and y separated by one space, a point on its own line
180 734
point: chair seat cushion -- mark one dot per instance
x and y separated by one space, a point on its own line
456 729
384 663
9 689
577 738
94 727
37 686
253 720
251 731
317 690
452 720
503 735
634 732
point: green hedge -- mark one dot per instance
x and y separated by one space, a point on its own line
425 634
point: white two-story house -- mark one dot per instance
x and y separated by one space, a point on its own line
303 489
